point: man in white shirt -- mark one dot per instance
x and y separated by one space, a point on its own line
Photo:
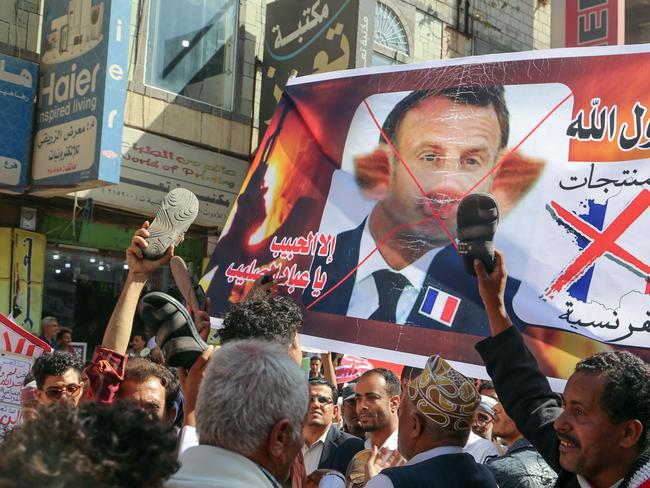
434 422
378 396
326 447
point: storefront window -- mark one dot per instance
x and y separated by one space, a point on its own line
191 49
82 287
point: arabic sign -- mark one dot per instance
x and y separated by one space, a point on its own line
594 23
17 93
154 165
18 349
353 195
82 90
323 35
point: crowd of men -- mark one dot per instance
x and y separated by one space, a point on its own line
246 415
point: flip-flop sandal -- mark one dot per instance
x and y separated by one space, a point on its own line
476 224
176 334
177 211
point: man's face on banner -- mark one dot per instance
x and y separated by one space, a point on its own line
448 147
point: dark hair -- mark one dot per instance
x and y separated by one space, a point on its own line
92 446
323 381
393 385
485 385
480 96
277 319
627 390
61 331
141 369
317 358
410 372
55 364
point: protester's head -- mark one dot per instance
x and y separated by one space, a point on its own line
503 426
138 342
378 398
437 409
484 416
253 400
64 338
314 366
323 407
58 378
152 386
606 414
92 446
349 410
408 374
486 387
272 318
450 140
49 327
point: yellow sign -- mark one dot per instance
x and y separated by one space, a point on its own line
5 270
28 267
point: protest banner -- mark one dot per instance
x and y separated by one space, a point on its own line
361 172
18 349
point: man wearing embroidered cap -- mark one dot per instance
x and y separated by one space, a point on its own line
435 420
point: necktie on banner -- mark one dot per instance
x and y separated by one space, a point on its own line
389 288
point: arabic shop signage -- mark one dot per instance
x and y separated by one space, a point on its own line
321 36
17 93
82 89
153 165
594 22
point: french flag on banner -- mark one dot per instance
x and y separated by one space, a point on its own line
439 306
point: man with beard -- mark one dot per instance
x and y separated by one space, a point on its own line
434 423
378 396
593 434
351 424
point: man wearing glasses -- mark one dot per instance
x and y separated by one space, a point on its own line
58 378
326 447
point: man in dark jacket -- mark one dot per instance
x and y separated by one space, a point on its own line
595 433
435 418
326 447
521 466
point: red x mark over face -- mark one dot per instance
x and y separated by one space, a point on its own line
602 243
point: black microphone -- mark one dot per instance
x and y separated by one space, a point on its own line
476 224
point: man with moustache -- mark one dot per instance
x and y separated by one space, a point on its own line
521 465
434 424
449 141
326 447
594 434
378 397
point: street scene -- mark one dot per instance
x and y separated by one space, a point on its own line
324 243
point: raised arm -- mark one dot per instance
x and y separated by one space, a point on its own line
118 330
522 388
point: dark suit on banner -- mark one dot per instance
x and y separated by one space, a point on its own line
446 273
338 450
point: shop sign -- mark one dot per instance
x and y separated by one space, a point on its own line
18 80
81 95
154 165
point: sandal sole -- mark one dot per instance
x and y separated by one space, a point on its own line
177 211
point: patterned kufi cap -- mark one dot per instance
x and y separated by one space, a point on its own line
444 396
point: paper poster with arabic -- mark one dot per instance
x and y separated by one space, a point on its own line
18 349
353 193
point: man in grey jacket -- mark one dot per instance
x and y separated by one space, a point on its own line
521 466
